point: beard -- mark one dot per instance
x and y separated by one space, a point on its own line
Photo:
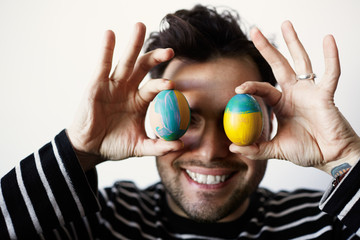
205 210
208 208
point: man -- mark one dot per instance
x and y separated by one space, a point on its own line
209 187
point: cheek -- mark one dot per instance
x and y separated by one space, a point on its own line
165 163
256 170
192 137
190 141
164 167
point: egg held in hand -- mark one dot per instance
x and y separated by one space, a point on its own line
243 120
169 115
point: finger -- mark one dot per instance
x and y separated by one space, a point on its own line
126 64
153 87
265 90
332 65
159 147
259 151
297 51
107 50
283 72
148 61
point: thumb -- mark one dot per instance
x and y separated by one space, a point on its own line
159 147
256 151
267 92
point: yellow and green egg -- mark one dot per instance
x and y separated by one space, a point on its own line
243 120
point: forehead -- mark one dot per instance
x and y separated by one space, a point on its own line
212 82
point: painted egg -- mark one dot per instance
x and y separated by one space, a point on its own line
169 115
243 121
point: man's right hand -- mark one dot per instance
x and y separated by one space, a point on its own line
110 122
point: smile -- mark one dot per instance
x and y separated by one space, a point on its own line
207 179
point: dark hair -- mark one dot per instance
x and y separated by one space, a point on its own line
201 34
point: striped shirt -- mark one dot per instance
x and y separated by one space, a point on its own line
48 196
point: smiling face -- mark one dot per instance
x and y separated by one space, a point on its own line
205 181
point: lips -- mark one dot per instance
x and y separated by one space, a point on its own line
207 178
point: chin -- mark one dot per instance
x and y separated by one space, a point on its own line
208 207
210 201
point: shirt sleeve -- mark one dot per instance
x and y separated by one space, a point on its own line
45 191
343 200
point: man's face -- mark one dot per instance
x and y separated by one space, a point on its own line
205 181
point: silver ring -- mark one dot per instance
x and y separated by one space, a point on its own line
308 76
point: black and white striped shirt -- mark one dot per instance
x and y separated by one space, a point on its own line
47 196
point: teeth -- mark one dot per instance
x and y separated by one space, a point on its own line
206 179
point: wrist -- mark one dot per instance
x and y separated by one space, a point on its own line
339 173
338 167
86 159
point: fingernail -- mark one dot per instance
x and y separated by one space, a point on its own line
232 148
240 88
169 83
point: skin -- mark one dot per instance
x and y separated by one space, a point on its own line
110 122
208 87
305 109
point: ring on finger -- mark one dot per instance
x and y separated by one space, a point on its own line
308 76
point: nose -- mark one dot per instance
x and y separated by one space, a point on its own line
213 143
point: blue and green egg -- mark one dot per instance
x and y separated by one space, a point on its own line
169 115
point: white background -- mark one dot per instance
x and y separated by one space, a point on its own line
48 50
